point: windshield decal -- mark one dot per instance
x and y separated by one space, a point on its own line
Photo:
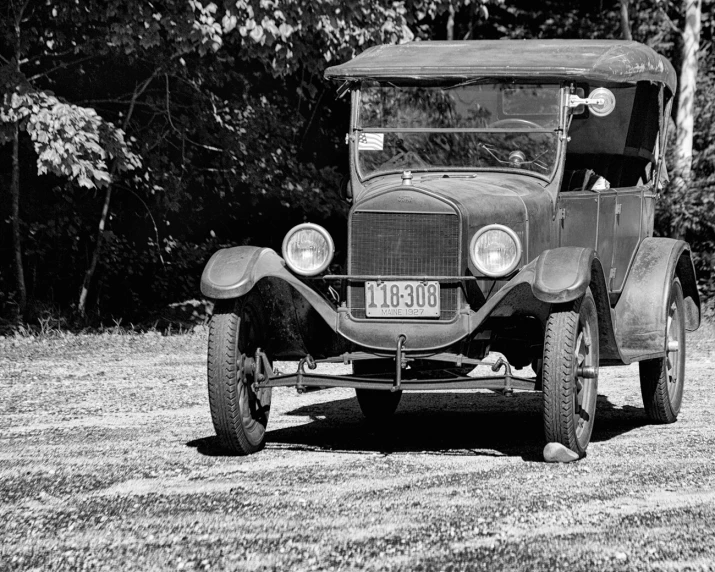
371 141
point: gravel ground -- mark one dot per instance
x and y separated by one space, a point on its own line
108 462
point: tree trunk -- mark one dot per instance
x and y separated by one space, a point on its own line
89 275
81 307
450 22
625 21
21 292
16 238
684 119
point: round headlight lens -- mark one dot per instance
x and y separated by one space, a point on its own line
495 250
308 249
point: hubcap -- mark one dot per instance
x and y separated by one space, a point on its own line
246 369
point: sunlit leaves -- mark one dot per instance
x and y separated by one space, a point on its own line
291 35
69 140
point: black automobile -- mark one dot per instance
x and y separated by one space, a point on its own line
502 198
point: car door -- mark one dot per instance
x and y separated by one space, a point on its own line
605 241
578 218
629 211
587 218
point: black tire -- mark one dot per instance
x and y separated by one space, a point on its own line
239 414
376 404
662 379
570 342
537 364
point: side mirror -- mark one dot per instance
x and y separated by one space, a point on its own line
600 101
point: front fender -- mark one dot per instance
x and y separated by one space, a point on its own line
562 274
233 272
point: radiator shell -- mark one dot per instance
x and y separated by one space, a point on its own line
398 243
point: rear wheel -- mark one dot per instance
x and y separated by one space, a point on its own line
238 412
570 373
376 404
662 379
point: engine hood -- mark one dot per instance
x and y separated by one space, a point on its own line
524 204
481 199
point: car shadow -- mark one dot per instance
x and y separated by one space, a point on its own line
461 424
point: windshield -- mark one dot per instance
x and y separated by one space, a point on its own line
468 127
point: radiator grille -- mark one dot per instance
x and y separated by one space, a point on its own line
401 244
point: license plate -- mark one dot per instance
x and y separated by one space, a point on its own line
402 299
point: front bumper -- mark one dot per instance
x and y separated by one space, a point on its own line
265 377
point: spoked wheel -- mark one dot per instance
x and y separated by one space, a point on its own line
570 373
662 379
239 413
376 404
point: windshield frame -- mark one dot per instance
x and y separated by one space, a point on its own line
559 131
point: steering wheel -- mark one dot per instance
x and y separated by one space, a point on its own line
515 122
517 159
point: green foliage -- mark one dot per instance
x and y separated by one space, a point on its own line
69 140
288 36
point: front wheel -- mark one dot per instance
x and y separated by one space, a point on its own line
570 373
662 379
239 413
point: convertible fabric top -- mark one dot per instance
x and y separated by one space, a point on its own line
598 60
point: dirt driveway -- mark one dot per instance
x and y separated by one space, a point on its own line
108 462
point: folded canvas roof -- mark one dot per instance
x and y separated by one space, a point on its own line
596 60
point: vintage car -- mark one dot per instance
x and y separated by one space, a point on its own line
502 196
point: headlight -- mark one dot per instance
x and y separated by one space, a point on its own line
308 249
495 250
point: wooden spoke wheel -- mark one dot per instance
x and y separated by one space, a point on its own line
662 379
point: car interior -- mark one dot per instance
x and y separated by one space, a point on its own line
621 147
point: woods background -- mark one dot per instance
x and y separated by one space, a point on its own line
138 137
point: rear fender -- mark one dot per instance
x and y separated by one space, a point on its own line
642 308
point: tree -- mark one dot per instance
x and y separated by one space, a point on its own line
282 38
81 146
684 118
69 140
625 21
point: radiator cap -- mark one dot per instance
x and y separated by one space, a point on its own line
407 178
